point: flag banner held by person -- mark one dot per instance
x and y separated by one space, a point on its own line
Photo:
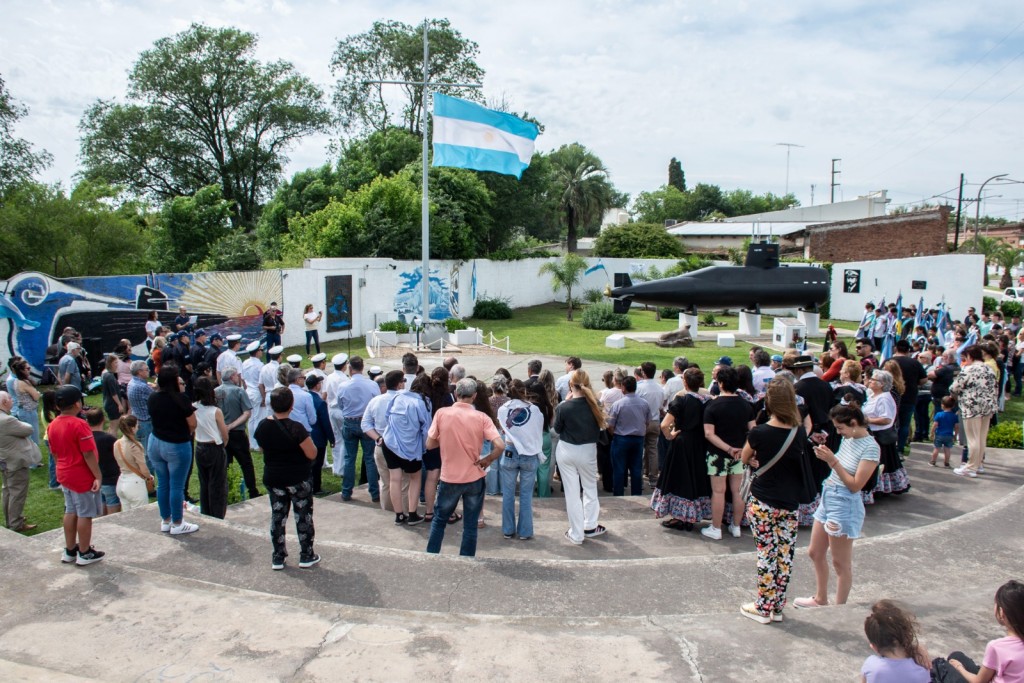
467 135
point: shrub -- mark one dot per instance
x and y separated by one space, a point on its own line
394 326
604 317
669 312
1005 435
708 318
453 324
234 484
989 304
492 308
1010 308
593 296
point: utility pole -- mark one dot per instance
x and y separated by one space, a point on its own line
812 194
425 206
832 198
959 205
789 147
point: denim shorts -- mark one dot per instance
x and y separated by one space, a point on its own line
841 511
109 492
943 441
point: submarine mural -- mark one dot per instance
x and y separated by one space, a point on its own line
37 307
761 281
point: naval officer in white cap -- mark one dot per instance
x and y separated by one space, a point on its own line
331 385
251 370
228 358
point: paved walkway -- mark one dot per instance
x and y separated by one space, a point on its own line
640 602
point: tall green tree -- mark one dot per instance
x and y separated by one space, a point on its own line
743 202
580 181
676 177
187 229
393 51
565 274
202 110
86 233
665 203
19 162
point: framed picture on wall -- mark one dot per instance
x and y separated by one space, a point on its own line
851 281
338 290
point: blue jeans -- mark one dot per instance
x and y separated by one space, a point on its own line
171 462
54 484
627 453
523 467
273 339
352 435
905 412
313 336
448 495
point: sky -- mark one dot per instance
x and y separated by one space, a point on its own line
908 95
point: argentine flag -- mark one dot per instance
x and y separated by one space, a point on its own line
467 135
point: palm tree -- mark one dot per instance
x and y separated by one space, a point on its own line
582 187
987 247
565 274
1007 257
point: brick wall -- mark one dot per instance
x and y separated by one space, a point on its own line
921 233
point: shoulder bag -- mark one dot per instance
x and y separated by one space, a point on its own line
750 474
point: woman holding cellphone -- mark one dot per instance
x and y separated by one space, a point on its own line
840 517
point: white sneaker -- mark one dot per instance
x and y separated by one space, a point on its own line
981 470
711 532
964 472
735 530
192 507
184 528
165 527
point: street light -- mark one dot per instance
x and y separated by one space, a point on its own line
977 206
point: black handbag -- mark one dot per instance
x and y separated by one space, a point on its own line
885 437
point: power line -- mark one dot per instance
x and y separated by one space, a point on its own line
956 80
957 129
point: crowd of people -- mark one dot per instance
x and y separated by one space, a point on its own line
785 441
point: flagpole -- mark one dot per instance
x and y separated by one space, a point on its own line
425 205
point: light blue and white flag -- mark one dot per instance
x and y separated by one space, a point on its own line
467 135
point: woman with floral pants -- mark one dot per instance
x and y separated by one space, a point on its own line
772 509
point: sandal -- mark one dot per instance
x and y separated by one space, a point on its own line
454 518
677 524
481 524
428 517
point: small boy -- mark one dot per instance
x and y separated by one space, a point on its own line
943 427
78 472
108 465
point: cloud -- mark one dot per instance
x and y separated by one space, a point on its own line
884 86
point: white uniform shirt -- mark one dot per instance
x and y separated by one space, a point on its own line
268 377
228 359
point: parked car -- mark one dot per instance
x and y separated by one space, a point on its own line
1013 294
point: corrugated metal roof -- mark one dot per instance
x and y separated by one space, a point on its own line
736 229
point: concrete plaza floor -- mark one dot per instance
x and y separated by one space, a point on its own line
640 602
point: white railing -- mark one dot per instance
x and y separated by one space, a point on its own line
493 342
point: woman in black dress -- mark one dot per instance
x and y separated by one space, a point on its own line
683 492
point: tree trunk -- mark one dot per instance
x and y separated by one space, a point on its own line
568 293
570 232
1006 280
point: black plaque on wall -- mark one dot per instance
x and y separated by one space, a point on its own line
919 284
339 302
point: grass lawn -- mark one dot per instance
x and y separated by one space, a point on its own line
545 330
46 508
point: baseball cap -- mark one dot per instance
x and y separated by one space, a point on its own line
777 358
216 335
200 333
73 345
724 360
67 396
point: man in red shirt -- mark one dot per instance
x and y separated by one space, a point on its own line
459 431
78 472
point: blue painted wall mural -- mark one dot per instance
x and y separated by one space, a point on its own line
36 308
409 297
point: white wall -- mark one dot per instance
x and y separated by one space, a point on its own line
955 278
873 204
376 282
